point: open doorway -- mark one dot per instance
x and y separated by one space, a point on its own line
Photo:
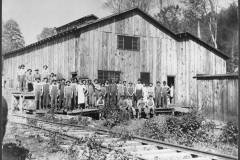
171 84
145 77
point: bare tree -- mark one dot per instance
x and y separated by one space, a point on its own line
119 5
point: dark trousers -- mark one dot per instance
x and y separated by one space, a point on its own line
29 87
74 102
45 100
68 102
22 82
165 100
53 102
61 101
37 99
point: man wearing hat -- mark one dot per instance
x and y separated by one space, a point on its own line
29 80
22 76
36 75
68 95
45 72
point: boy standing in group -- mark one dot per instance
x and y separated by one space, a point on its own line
45 93
54 92
38 89
68 94
165 90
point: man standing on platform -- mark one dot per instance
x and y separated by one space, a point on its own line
22 78
68 94
61 96
165 90
158 94
54 92
45 93
74 88
29 80
138 90
38 89
113 91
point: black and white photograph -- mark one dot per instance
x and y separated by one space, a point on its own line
120 80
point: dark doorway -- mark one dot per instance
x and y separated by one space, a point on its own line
74 74
170 80
171 84
145 77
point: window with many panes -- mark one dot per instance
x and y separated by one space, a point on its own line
108 75
128 43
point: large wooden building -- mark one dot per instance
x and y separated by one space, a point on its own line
127 46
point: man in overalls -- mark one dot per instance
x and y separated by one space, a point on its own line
54 92
38 89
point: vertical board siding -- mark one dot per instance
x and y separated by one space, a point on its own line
218 98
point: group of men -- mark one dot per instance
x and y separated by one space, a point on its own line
54 93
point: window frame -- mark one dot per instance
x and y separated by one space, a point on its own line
104 75
135 43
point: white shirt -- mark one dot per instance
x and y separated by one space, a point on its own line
171 91
45 73
139 87
21 72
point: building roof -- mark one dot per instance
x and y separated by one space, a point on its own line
150 19
217 76
77 23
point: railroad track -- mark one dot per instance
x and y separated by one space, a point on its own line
139 147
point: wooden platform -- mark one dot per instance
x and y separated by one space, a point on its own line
164 111
83 111
90 112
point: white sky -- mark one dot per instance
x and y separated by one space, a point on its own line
33 15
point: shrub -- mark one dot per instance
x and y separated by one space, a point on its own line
155 128
229 134
115 117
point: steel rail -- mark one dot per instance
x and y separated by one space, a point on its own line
149 141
